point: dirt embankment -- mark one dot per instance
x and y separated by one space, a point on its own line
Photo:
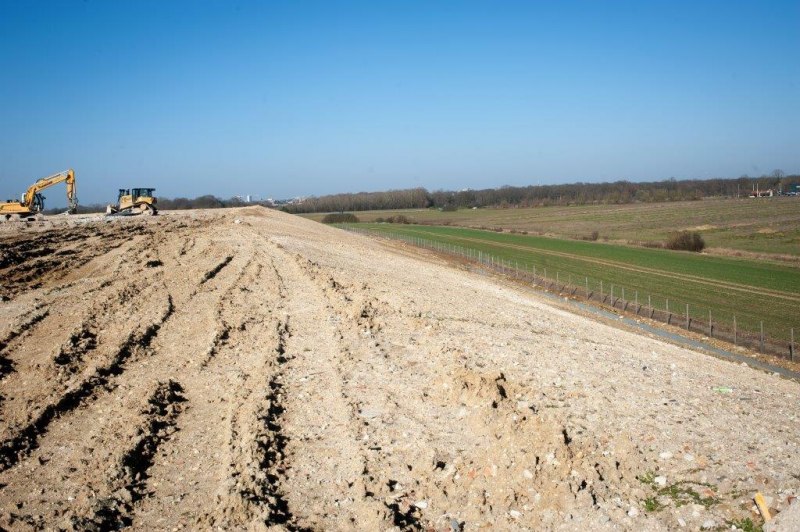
249 369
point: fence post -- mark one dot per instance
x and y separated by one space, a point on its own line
688 321
601 291
710 325
791 346
612 295
761 345
587 288
734 329
623 294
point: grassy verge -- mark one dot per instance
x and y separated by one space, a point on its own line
752 291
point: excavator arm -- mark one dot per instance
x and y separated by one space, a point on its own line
32 197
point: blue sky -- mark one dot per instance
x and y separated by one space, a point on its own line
298 98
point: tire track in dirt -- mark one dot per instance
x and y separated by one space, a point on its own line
216 269
317 372
16 335
41 323
191 357
357 327
236 383
241 370
136 344
108 356
92 503
250 411
171 357
93 280
58 367
766 292
127 485
31 263
271 441
247 276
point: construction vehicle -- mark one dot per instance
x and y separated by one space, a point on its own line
134 201
32 201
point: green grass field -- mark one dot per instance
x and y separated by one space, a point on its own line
752 290
769 226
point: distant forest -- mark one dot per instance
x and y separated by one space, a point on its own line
543 195
530 196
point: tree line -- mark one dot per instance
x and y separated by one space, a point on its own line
528 196
542 195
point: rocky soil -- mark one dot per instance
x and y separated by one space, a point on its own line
246 369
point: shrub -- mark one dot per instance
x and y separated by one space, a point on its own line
686 241
398 219
340 218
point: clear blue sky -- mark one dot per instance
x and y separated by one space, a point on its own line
297 98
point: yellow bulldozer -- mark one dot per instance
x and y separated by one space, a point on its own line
133 201
32 201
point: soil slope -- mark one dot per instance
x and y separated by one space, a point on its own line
251 369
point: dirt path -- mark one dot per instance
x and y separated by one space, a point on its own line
247 369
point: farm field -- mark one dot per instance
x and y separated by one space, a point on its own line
766 226
752 291
244 369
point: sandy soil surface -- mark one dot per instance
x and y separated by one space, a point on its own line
247 369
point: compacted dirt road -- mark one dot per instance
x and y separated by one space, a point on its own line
247 369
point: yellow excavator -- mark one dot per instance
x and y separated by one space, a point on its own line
134 201
32 202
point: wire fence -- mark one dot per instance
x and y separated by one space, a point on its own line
632 302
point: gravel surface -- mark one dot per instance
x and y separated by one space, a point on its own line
250 369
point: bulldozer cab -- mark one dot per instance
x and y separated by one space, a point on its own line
123 192
142 192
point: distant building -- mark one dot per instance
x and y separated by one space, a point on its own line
758 193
